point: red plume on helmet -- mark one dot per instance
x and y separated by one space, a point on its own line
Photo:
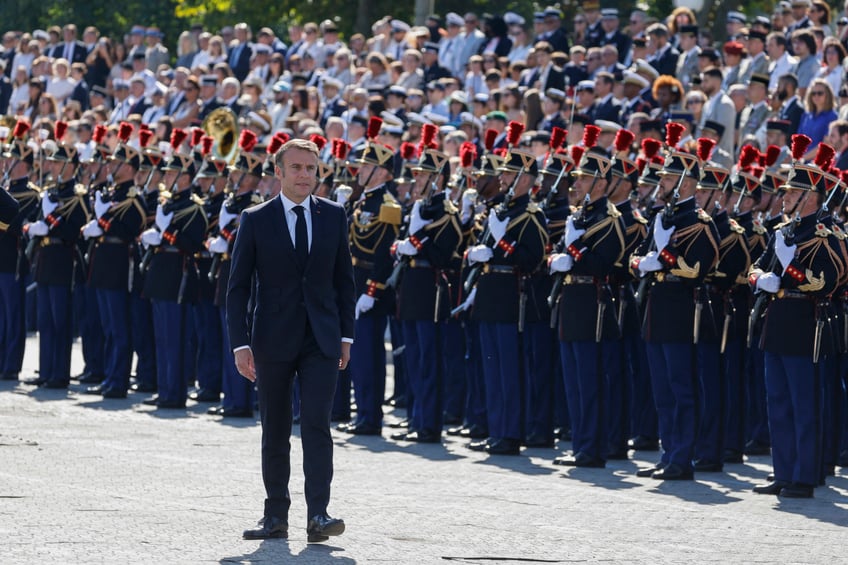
374 125
772 153
283 136
640 164
206 143
650 147
318 140
196 135
142 127
577 152
144 137
247 140
97 135
800 142
428 135
623 139
757 170
59 130
489 139
824 156
557 138
514 129
467 154
125 130
673 133
747 156
178 135
407 151
500 151
344 149
590 136
22 127
844 176
705 148
275 144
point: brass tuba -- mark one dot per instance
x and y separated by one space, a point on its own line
222 125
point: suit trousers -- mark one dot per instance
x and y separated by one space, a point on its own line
12 325
711 412
55 336
170 323
317 375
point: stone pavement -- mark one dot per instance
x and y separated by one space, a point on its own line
87 480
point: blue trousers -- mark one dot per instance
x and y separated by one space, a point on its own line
583 374
643 411
475 396
207 326
55 334
756 414
238 391
423 357
617 374
141 315
502 374
94 341
711 413
794 416
401 387
735 378
368 369
453 346
170 323
115 320
675 385
12 324
831 395
540 357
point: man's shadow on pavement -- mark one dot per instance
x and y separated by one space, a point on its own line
277 550
822 508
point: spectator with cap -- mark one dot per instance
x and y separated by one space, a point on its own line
209 100
757 62
664 57
733 54
612 34
719 108
157 54
735 22
471 38
819 103
687 63
430 63
804 47
449 46
158 105
330 42
436 103
781 61
139 68
139 102
585 97
281 109
395 101
230 91
632 102
594 31
260 67
241 51
397 44
755 114
136 41
575 69
554 32
333 103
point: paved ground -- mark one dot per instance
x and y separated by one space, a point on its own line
83 480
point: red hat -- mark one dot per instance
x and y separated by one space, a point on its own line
733 48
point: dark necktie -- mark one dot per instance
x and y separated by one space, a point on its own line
301 239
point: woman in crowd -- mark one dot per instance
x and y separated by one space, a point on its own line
832 70
680 16
497 41
694 103
819 14
511 103
47 108
100 62
118 55
377 75
20 90
668 92
188 110
520 46
61 86
27 52
820 103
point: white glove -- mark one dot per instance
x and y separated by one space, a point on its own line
469 300
416 222
364 304
561 263
479 254
47 205
650 262
768 282
151 237
469 197
100 207
662 235
497 227
405 247
343 194
163 220
218 245
38 228
92 229
572 232
785 253
224 218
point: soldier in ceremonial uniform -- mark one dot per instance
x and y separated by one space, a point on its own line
683 250
434 236
244 175
19 205
53 239
374 227
171 278
800 270
586 256
119 219
513 247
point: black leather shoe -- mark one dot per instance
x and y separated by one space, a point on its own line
707 467
647 473
423 437
114 393
9 377
54 384
617 455
243 413
152 401
539 441
96 389
673 473
205 395
37 381
796 490
562 459
399 436
142 387
364 430
397 401
170 405
755 448
344 426
214 410
321 527
475 432
479 445
774 487
732 456
455 431
89 378
642 443
504 446
401 425
268 528
583 460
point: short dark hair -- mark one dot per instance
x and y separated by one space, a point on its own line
840 126
302 144
805 36
714 72
778 37
791 78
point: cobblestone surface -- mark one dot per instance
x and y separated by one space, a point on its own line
87 480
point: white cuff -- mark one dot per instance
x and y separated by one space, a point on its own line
347 340
237 349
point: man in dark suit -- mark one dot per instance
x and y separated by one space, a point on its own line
665 56
240 54
791 108
606 107
837 137
71 49
303 324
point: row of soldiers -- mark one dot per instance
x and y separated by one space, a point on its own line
647 293
670 295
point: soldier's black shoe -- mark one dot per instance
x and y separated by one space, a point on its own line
37 381
479 445
205 395
95 389
647 473
215 410
234 413
143 387
707 467
152 401
774 487
673 473
643 443
755 448
504 446
398 401
539 441
269 527
582 460
423 437
89 378
364 430
402 424
732 456
344 426
54 384
114 393
399 436
321 527
455 431
796 490
475 432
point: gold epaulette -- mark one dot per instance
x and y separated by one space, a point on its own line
612 211
533 207
637 215
822 231
450 207
80 190
34 187
255 199
735 227
704 217
390 211
132 192
197 200
837 232
165 195
759 228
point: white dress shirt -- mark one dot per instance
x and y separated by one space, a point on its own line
291 218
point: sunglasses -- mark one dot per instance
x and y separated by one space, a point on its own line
817 93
